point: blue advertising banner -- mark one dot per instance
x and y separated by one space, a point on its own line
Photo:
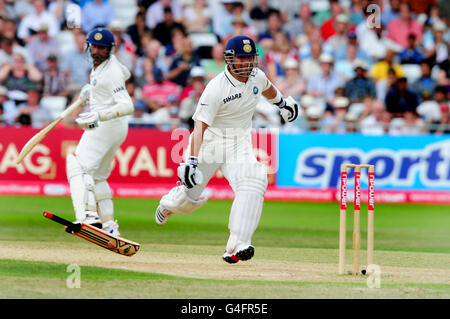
401 162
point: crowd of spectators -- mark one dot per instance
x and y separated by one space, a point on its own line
353 66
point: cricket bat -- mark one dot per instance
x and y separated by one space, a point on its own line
39 136
97 236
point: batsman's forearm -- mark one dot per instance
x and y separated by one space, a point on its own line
197 137
116 111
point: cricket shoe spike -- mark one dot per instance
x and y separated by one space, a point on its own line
111 227
92 219
242 254
162 215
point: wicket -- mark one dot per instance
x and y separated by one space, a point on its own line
356 217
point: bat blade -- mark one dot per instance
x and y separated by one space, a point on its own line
39 136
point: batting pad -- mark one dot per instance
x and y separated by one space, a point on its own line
249 186
103 196
177 201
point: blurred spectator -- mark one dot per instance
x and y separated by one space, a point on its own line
124 48
197 74
41 47
305 42
437 49
399 29
425 83
380 69
76 64
61 11
55 82
96 13
357 11
274 24
8 48
383 86
240 27
10 31
440 122
296 26
409 124
155 13
278 54
7 10
32 112
310 66
291 83
390 12
189 104
345 68
18 77
22 8
324 84
182 63
377 121
341 27
444 125
163 30
360 86
32 22
215 65
375 42
197 17
7 107
262 10
430 109
327 29
399 99
222 18
336 122
156 93
352 39
136 31
412 54
152 52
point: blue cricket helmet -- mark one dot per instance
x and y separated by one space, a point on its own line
101 37
240 46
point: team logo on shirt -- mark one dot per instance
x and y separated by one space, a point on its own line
94 82
232 97
98 36
255 90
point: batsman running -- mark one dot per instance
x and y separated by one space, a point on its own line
106 127
221 139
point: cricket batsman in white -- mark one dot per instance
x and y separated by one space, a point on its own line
221 139
106 127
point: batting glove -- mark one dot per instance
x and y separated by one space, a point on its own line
85 93
88 120
289 112
189 174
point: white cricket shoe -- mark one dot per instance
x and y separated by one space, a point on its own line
111 227
162 215
91 218
242 253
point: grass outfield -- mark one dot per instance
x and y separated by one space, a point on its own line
296 253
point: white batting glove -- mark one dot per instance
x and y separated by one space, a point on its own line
88 120
189 174
85 93
289 112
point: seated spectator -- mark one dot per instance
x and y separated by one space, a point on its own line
399 99
341 27
240 27
136 31
444 125
197 74
336 123
352 39
360 86
41 47
8 48
75 64
124 48
425 83
223 17
163 30
197 17
277 55
189 104
156 93
430 109
412 54
215 65
306 41
261 11
291 83
409 124
18 77
380 69
32 22
32 112
55 81
155 12
345 68
274 26
7 107
311 66
390 12
383 86
377 121
374 41
182 63
399 29
323 84
296 26
96 13
152 52
437 50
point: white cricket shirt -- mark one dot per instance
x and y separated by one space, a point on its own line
227 103
108 85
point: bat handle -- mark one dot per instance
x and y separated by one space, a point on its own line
57 219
